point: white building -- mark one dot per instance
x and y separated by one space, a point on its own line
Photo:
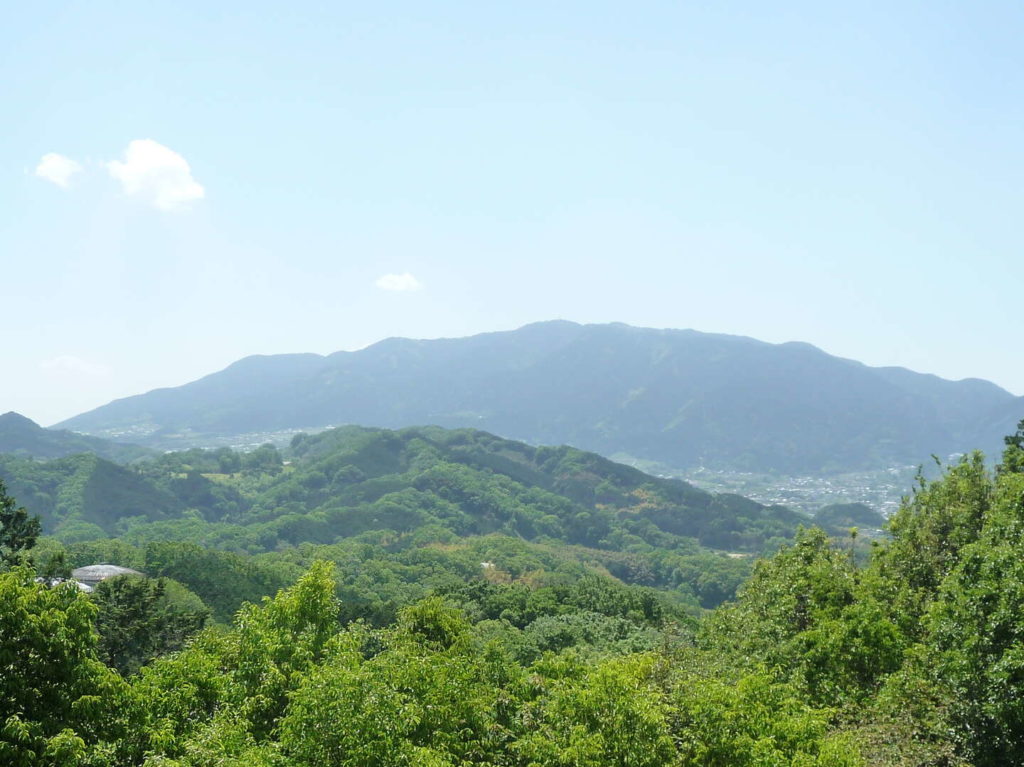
93 574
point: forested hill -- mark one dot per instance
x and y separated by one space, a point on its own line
410 489
347 481
22 436
678 397
500 652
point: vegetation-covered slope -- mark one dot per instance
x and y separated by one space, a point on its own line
911 659
837 517
85 492
678 397
350 480
471 493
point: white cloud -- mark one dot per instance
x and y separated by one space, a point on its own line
399 282
68 364
157 174
57 169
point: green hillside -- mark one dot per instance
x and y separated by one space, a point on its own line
84 494
837 517
410 489
491 650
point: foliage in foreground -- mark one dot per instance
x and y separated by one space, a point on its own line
287 686
913 659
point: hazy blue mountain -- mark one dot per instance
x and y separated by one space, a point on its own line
680 397
24 437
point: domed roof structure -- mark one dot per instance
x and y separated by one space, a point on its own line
93 574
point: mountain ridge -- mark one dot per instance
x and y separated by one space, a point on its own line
680 397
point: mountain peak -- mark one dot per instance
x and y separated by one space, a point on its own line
23 436
12 419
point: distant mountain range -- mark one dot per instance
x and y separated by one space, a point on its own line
678 397
23 437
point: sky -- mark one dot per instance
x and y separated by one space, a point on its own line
183 184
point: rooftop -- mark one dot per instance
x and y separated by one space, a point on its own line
96 573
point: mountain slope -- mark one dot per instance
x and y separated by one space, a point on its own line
347 481
22 436
476 483
85 493
679 397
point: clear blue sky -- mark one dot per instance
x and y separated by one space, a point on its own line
847 174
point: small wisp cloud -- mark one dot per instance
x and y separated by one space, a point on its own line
57 169
402 283
156 174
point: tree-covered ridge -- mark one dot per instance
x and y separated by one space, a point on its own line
349 480
507 486
675 397
402 491
23 437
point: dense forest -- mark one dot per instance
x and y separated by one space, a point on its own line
398 497
910 657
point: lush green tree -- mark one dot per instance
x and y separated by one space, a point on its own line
805 615
611 715
787 595
278 641
228 461
1013 455
754 721
18 530
142 618
57 700
976 634
415 702
928 534
220 700
265 458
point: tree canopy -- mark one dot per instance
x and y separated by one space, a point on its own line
502 653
